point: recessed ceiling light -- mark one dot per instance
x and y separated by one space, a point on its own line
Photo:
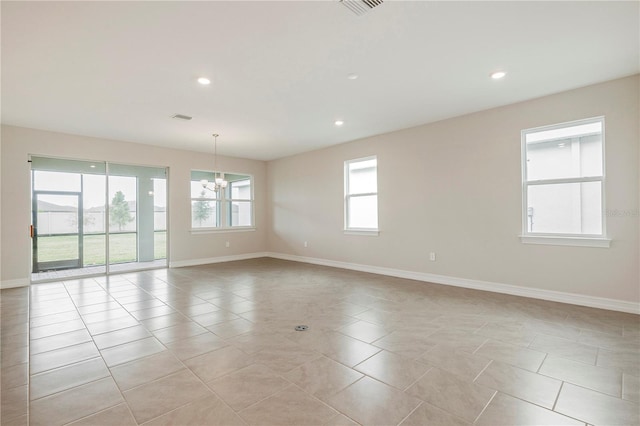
338 122
204 81
352 76
93 166
498 75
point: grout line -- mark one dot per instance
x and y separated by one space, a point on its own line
485 407
289 383
553 408
431 367
411 412
480 347
97 412
546 355
482 371
541 406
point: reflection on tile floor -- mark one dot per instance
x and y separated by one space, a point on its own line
216 344
115 268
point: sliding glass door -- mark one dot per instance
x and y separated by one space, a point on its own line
95 218
137 216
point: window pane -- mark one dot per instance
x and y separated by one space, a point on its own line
557 157
240 213
363 177
123 203
123 230
204 214
58 227
576 130
197 191
159 218
95 219
56 181
241 189
159 204
94 249
363 212
93 198
568 208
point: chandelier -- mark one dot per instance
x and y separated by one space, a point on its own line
218 178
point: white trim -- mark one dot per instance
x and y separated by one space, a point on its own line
220 259
79 277
366 232
222 203
566 241
535 293
561 181
197 231
572 123
20 282
348 195
526 182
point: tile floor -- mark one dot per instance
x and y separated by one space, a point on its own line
216 344
116 268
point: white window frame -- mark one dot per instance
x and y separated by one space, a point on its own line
229 200
589 240
347 198
223 206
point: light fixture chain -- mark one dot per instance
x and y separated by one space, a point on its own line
218 179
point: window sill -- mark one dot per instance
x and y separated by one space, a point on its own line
566 241
222 230
366 232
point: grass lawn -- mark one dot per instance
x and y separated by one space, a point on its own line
122 248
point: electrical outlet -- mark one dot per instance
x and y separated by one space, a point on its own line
432 256
227 244
305 244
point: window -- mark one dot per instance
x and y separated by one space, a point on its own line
230 207
240 204
563 180
361 194
205 204
96 217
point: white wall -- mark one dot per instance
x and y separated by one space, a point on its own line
1 211
454 187
18 143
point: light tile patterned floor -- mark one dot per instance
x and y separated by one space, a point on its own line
216 344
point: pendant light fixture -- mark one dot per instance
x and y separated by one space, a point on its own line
218 178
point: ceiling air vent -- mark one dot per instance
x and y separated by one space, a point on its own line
182 117
359 7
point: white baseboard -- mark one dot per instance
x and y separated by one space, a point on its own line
535 293
205 261
20 282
